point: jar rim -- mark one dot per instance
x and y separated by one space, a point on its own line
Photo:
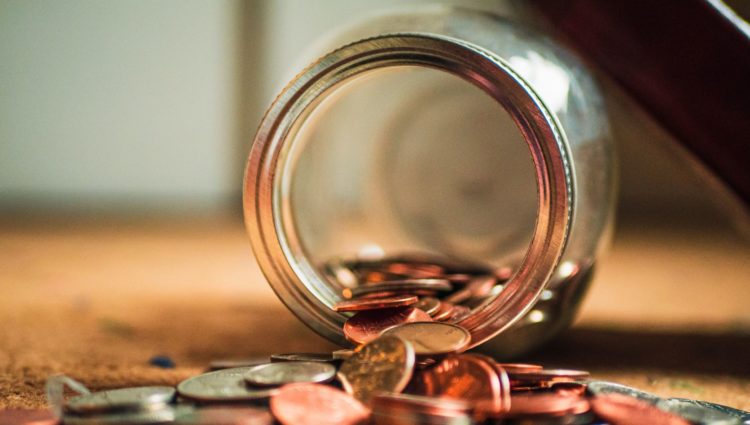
298 285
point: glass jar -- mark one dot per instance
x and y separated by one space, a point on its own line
447 132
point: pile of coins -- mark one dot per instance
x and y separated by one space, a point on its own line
409 368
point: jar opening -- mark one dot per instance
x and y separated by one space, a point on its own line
408 143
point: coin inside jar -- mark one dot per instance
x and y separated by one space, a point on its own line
280 373
408 286
314 404
365 326
361 304
138 398
432 338
429 305
383 365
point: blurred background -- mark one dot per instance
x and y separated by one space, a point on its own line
124 130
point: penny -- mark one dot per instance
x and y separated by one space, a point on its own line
314 404
459 313
383 365
407 409
445 311
544 378
232 363
520 367
432 338
599 388
548 404
429 305
365 326
361 304
280 373
225 385
303 357
409 286
462 376
123 399
576 389
623 410
476 288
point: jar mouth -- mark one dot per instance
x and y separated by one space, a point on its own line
277 246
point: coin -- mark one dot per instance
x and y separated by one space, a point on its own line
123 399
224 415
342 354
338 272
273 374
303 357
737 413
520 367
547 404
409 286
502 375
476 287
383 365
232 363
444 312
599 388
432 338
407 409
697 413
163 415
429 305
544 378
225 385
361 304
365 326
459 313
623 410
314 404
462 376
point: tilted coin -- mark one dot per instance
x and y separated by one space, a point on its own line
365 326
303 357
577 389
429 305
625 410
520 367
409 286
737 413
547 404
314 404
545 377
444 312
407 409
383 365
477 287
459 313
505 388
232 363
697 413
598 388
225 385
123 399
361 304
462 376
280 373
432 338
165 414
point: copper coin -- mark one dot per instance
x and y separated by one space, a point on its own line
459 313
505 389
548 405
576 389
476 288
383 365
366 326
415 270
503 274
429 305
406 409
361 304
623 410
462 376
544 378
521 367
314 404
432 338
409 286
444 312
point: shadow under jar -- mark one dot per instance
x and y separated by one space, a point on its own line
441 138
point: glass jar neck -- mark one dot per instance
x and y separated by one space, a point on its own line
266 192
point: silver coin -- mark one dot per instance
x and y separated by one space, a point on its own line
697 412
605 387
166 414
222 386
731 411
303 357
233 363
273 374
138 398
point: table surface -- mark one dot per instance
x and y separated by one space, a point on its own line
97 298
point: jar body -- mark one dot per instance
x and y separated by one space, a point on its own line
414 148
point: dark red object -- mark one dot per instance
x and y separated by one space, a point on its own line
685 62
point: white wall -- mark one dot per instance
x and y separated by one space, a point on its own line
124 102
